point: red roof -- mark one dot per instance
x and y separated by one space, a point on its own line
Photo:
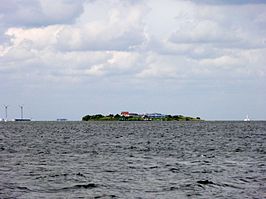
125 113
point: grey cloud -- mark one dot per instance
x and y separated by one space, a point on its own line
210 26
124 42
178 37
190 50
32 13
229 2
216 42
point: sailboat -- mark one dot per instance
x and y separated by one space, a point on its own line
246 119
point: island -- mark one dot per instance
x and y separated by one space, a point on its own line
127 116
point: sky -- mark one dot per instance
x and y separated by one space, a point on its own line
70 58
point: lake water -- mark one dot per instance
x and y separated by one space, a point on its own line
133 160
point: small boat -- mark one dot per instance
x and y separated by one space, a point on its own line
246 119
61 120
22 120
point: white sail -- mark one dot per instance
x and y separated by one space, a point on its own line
246 119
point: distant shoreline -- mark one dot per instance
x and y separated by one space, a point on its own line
137 117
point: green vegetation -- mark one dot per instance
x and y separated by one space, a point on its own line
117 117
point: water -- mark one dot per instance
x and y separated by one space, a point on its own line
133 160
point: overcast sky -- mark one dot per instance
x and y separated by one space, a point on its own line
69 58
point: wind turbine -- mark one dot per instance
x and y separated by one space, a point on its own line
21 111
6 106
21 115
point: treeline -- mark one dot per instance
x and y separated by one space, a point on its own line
117 117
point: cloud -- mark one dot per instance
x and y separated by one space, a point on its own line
33 38
118 39
208 24
119 28
231 2
95 50
99 37
203 32
32 13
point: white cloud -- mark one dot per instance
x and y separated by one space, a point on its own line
226 60
120 28
34 38
119 38
204 31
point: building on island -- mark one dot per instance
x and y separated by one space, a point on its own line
134 115
125 114
154 115
147 115
128 114
61 119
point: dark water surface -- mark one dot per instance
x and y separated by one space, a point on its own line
133 160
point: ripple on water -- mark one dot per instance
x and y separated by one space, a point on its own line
133 160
